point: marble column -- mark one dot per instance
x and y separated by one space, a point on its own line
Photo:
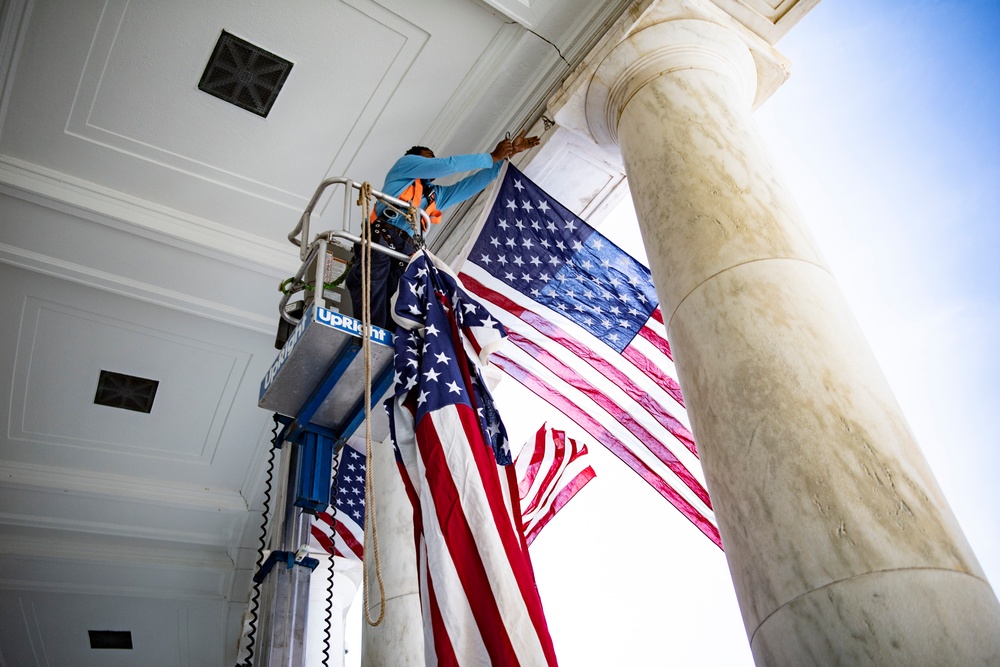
347 578
399 639
842 548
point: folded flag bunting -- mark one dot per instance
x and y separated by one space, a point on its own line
550 471
587 336
477 588
343 535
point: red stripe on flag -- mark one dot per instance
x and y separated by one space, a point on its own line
443 649
655 373
323 539
461 544
563 497
651 442
559 455
598 432
658 341
598 362
536 461
350 541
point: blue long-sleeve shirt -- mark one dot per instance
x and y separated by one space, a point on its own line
411 167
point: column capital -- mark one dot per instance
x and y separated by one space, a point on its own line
682 44
569 106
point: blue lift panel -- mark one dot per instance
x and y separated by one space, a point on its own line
317 385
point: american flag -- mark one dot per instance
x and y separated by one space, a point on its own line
344 536
550 471
588 336
477 587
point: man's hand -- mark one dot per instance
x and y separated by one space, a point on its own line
523 143
503 150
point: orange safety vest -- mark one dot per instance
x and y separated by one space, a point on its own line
414 195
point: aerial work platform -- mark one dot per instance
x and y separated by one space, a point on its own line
318 378
316 388
317 382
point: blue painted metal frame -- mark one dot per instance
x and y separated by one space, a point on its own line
320 443
312 491
357 415
286 557
308 410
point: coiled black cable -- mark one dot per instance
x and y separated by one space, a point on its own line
255 600
329 576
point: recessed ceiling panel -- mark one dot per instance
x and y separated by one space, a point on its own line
121 105
133 101
61 354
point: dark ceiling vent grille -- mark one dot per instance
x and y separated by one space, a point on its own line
110 639
243 74
128 392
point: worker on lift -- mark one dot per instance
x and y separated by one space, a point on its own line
412 180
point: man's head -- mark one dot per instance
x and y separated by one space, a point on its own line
422 151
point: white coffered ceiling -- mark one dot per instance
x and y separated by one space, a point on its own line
142 231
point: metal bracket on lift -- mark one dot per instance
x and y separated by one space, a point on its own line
288 558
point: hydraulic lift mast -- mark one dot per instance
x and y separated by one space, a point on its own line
316 388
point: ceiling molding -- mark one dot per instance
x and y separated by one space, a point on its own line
252 488
83 124
525 12
414 41
83 483
95 550
92 202
47 335
210 535
116 284
168 592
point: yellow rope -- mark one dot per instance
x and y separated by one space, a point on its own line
365 202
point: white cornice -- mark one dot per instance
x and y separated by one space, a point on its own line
92 202
83 483
160 592
567 105
108 282
97 549
767 18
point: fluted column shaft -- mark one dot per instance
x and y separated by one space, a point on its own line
842 548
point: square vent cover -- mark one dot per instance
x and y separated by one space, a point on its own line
110 639
117 390
243 74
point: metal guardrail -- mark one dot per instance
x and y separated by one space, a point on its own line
313 253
